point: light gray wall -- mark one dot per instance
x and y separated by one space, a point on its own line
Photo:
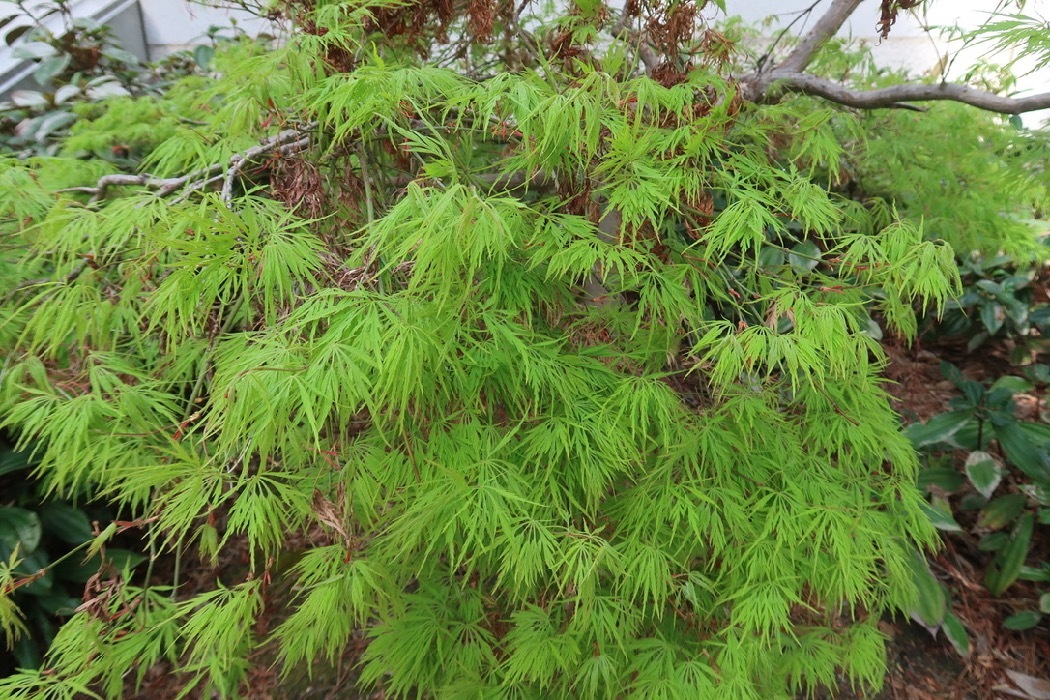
172 25
122 17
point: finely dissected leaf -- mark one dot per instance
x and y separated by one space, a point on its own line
12 622
101 539
514 372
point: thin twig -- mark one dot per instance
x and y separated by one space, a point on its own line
650 59
799 16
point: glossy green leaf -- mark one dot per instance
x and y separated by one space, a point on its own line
973 391
1044 603
1001 511
940 428
873 329
52 122
991 286
11 461
57 603
29 98
1006 567
1037 433
203 55
124 558
932 603
947 479
50 67
1016 311
66 93
1024 620
33 50
1039 372
941 518
75 569
993 541
993 315
121 55
1025 450
1040 493
19 527
805 256
66 522
983 472
26 653
1039 574
956 634
1012 383
1039 316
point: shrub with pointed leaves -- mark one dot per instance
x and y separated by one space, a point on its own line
565 371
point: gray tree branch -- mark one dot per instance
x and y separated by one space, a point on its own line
770 86
825 28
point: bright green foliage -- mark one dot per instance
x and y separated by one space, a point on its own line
977 180
971 180
573 370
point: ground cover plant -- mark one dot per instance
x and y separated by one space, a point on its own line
533 350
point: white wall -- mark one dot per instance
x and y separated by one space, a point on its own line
172 25
121 16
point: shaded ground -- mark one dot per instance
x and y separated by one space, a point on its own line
1002 663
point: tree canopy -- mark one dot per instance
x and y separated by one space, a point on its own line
530 350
